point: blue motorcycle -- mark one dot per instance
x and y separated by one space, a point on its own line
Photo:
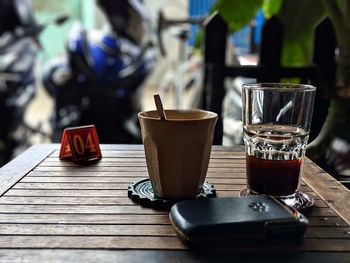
99 79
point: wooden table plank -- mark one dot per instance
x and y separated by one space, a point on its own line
80 209
333 192
328 232
85 200
175 256
161 243
112 179
12 172
63 193
94 192
107 209
137 230
98 169
88 230
73 186
53 200
211 174
135 162
82 179
106 186
92 242
330 221
104 219
140 154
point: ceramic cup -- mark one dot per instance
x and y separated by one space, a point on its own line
177 150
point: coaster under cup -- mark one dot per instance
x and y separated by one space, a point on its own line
141 192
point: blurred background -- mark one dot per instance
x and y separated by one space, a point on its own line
76 62
81 48
92 18
180 41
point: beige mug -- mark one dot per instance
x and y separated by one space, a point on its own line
177 150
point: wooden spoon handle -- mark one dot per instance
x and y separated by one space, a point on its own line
159 106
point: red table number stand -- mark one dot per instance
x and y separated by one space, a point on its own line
80 144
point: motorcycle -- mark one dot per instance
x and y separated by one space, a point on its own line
19 46
99 79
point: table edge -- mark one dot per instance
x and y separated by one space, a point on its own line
334 193
94 255
21 165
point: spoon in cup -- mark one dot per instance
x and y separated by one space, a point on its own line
159 106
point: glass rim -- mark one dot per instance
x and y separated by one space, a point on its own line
279 86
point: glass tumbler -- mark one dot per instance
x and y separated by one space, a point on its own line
276 124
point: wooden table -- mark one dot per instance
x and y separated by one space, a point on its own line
52 210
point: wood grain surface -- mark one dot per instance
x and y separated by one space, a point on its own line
50 204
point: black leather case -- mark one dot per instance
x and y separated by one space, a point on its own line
252 217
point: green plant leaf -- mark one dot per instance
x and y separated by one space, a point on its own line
238 13
299 19
271 7
297 53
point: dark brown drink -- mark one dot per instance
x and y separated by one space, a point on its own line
273 177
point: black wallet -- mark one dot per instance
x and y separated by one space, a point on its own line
222 219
